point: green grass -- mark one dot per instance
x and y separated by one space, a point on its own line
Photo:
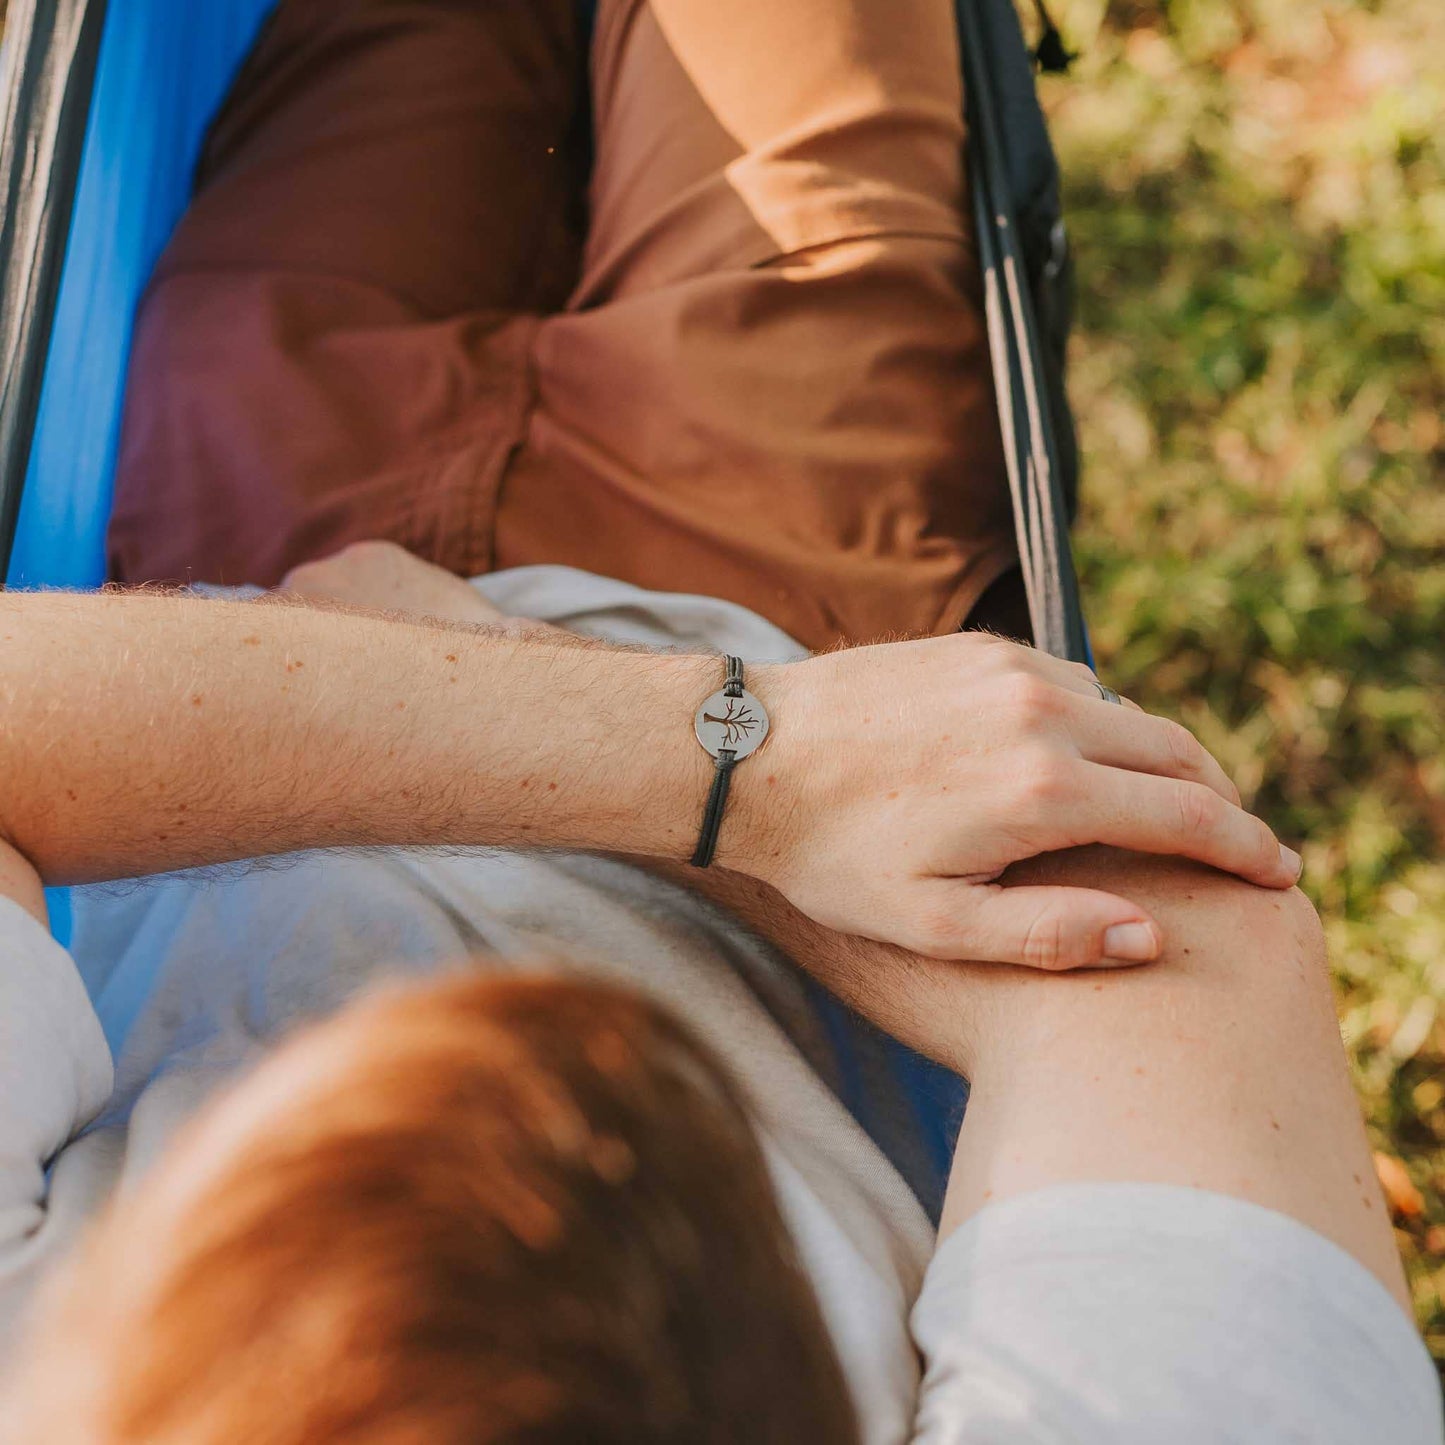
1256 191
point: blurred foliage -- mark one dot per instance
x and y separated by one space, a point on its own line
1256 191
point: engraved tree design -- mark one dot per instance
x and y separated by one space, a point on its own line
739 723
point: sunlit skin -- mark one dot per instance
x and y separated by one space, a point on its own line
897 783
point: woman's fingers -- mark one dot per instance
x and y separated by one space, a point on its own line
1142 743
1055 929
385 576
1169 815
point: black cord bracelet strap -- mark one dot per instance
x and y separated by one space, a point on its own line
712 814
730 724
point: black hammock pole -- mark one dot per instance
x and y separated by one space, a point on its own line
1031 447
47 70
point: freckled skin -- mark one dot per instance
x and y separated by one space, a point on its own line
251 776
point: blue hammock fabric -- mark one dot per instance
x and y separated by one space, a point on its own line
163 71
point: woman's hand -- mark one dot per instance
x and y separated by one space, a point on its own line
901 780
388 578
385 577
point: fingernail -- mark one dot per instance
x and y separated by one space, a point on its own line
1134 942
1292 861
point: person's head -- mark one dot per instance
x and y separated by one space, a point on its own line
487 1210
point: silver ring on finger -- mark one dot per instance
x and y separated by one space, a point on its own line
1107 693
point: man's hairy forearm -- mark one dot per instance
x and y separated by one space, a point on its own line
144 732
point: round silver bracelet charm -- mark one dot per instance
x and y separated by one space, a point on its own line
734 724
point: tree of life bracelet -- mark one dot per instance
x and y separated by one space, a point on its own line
730 724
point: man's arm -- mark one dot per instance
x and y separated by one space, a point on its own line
146 732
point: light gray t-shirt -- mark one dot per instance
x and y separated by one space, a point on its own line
1091 1313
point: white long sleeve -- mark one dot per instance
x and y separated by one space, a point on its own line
55 1076
1129 1314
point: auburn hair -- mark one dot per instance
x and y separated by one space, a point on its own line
522 1210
